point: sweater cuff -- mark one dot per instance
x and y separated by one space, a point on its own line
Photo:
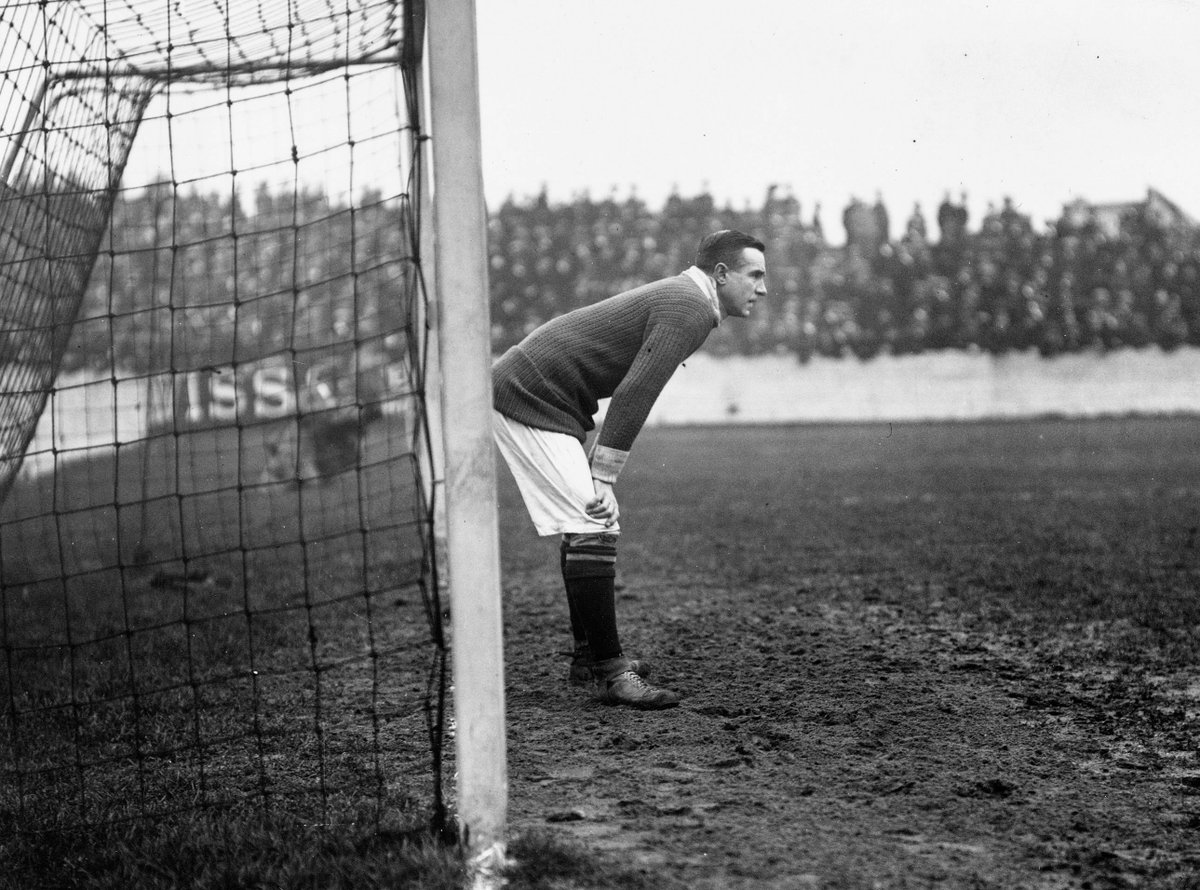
607 463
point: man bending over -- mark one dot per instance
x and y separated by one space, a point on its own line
546 390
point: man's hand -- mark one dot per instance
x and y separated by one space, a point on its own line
604 505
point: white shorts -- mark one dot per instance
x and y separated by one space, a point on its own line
554 477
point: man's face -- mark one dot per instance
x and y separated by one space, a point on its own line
738 288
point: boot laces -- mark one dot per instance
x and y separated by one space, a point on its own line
633 678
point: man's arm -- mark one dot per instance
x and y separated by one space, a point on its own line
665 347
631 403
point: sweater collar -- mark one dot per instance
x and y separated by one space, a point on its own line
709 289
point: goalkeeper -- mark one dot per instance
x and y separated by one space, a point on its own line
546 392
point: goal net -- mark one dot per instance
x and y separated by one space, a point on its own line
217 580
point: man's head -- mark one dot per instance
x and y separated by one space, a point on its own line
736 263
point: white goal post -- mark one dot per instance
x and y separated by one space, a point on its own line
464 344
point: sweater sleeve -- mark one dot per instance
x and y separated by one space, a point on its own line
665 346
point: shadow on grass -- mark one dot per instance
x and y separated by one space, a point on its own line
544 861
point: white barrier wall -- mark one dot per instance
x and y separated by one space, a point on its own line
86 413
950 385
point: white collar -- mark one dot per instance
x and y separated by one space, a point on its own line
706 284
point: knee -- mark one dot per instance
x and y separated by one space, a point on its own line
590 555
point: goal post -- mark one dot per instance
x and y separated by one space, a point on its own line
464 331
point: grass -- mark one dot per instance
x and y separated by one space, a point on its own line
268 655
211 851
1023 516
222 852
1033 524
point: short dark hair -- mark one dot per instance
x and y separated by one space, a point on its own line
726 247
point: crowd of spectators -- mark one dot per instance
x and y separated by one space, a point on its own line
1081 282
187 279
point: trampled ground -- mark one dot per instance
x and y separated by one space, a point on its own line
913 656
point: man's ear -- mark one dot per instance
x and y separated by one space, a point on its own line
719 272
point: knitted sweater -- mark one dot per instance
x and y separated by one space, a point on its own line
626 347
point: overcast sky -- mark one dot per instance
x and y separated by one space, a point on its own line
1040 100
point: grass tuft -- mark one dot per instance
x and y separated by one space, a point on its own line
211 852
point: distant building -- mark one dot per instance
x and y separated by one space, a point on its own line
1108 218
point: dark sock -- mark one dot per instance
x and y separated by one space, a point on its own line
577 630
595 601
589 567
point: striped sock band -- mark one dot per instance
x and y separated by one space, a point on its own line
589 556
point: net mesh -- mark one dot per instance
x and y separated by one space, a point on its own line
217 581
